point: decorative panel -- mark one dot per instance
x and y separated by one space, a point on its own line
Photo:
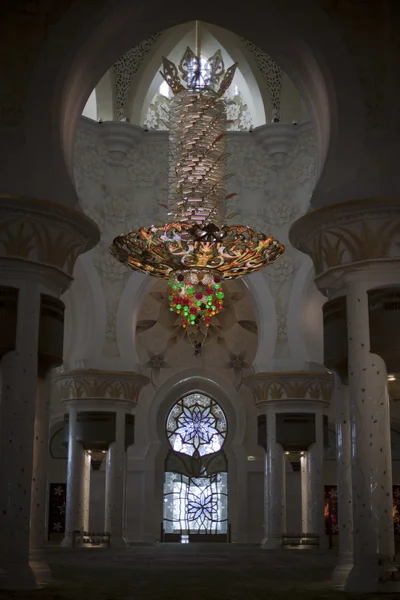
332 514
129 430
8 318
95 430
396 509
331 510
335 337
262 431
295 431
51 334
57 500
384 325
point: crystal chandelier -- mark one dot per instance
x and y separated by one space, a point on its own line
196 250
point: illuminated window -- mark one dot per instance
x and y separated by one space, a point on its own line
196 426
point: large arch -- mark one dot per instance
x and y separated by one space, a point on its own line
89 38
173 44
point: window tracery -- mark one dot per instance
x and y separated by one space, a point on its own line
196 426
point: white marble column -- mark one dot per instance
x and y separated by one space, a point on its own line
313 481
371 449
345 492
304 494
39 477
274 488
115 483
77 474
17 429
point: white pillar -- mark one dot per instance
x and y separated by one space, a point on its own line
17 429
345 492
304 494
115 483
371 449
313 485
274 488
77 474
39 477
86 490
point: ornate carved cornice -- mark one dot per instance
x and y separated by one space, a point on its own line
291 385
44 232
114 386
344 235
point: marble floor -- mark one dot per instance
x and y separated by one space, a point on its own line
193 571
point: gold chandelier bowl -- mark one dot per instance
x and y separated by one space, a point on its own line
229 251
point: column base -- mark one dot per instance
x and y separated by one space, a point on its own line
24 574
68 541
272 542
342 570
364 578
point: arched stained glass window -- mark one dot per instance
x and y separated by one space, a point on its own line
196 426
196 478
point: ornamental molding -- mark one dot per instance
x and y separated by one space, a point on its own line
346 234
120 137
277 139
116 386
283 386
272 74
44 232
125 69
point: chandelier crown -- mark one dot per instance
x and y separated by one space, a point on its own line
198 74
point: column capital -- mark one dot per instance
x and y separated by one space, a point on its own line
349 236
98 389
289 388
44 233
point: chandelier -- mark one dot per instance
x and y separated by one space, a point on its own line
196 250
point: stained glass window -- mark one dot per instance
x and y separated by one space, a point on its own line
195 504
196 426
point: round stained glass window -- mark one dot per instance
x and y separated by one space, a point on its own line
196 425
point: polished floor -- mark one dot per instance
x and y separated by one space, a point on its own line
193 572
